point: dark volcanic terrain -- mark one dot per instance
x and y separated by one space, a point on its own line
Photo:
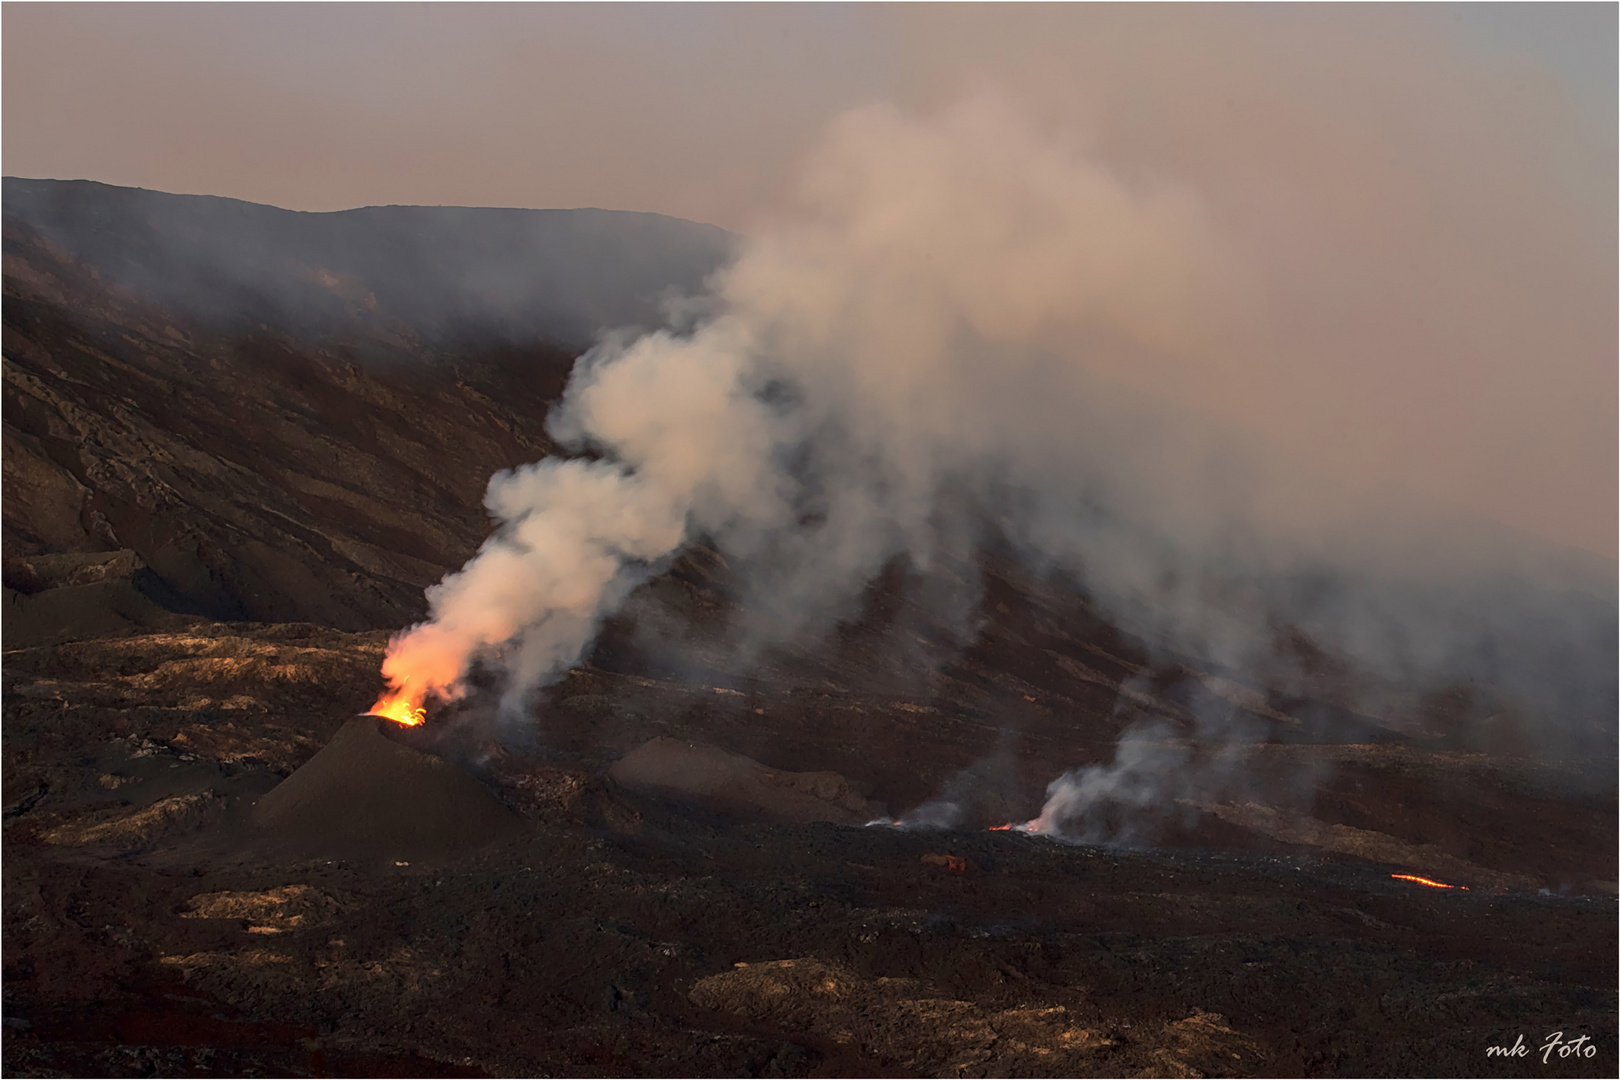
218 506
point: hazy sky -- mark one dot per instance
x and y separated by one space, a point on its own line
687 109
1419 203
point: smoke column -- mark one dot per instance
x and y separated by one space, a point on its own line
963 320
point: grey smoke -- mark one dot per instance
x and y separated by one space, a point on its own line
966 323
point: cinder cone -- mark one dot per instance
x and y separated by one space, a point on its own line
366 794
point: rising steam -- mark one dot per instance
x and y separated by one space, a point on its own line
964 321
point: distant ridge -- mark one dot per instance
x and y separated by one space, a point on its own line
443 272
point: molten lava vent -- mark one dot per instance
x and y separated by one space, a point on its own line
366 794
1430 882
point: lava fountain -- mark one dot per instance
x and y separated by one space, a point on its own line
401 706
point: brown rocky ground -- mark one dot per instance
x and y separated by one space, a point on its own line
210 531
151 930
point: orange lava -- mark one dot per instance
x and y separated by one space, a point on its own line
1428 882
400 707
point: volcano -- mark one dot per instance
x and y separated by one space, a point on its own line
365 794
213 530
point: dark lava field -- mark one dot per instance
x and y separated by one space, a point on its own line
215 516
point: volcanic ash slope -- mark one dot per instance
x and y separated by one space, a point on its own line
364 794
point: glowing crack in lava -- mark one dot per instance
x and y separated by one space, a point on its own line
1426 881
400 706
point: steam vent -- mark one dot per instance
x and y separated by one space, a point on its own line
364 794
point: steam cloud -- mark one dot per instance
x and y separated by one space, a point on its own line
966 324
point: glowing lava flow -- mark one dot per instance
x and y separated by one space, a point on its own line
398 706
1426 881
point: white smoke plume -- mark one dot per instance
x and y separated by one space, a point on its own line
1099 804
966 320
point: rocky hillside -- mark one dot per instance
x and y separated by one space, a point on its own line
289 416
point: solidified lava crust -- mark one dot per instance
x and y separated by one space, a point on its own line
612 931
